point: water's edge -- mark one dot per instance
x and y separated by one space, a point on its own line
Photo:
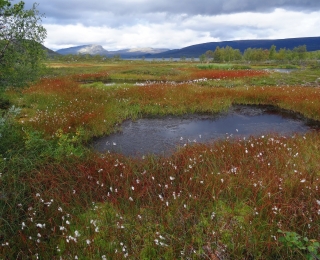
162 135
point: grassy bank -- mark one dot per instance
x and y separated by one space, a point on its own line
254 198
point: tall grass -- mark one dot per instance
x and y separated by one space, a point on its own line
226 198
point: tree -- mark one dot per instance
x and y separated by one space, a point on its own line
300 52
21 52
255 54
228 54
218 54
202 58
248 53
272 52
282 54
209 55
237 54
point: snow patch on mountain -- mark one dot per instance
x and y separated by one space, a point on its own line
92 49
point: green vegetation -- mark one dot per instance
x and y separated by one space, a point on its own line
302 246
228 54
20 49
223 66
83 58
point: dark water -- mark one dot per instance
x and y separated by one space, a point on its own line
163 135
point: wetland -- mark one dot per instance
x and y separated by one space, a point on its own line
233 172
163 135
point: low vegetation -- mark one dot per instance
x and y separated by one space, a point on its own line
253 198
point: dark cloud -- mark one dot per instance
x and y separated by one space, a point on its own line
74 10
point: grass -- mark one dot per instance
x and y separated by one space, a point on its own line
222 200
224 66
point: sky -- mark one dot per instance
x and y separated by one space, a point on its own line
173 24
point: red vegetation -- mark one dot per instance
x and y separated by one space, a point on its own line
268 174
68 105
227 74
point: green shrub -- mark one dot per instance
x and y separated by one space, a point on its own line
303 246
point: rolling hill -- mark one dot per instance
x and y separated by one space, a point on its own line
312 43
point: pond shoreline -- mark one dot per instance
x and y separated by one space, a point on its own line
162 135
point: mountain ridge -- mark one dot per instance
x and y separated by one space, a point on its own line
94 49
194 51
312 44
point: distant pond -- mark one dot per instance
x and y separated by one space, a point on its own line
163 135
282 70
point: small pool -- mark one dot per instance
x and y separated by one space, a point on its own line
163 135
282 70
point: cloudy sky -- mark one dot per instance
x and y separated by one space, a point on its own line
122 24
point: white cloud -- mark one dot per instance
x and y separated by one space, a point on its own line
165 35
177 31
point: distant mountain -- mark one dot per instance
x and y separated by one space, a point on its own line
194 51
50 53
137 52
84 49
312 43
93 50
98 49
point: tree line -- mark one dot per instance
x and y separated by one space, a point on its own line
227 54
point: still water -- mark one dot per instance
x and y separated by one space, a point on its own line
163 135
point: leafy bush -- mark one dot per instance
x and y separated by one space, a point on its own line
304 246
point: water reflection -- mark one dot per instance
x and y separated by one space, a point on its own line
163 135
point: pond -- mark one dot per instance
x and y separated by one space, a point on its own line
282 70
162 136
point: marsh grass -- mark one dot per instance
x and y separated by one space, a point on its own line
223 66
228 198
221 200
